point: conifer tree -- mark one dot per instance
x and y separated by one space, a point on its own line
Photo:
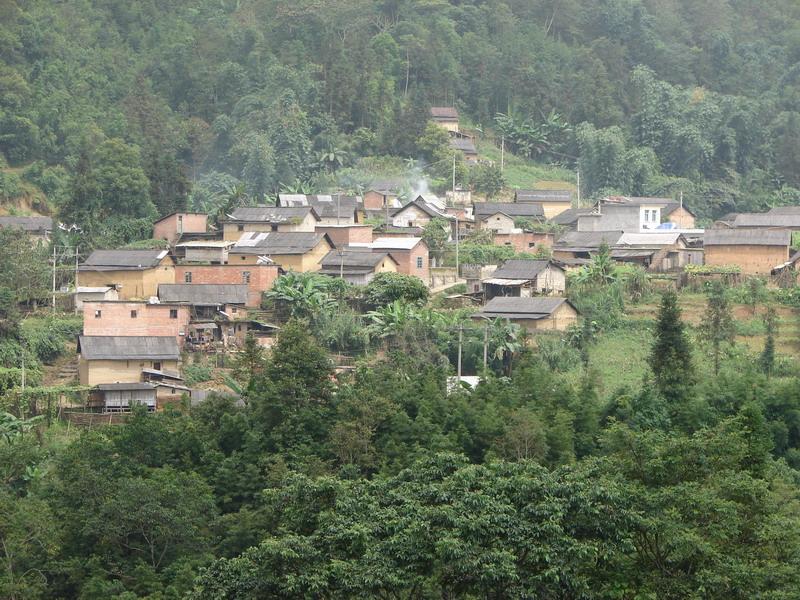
718 327
671 356
767 360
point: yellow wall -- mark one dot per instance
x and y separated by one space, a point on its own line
138 285
551 209
682 218
753 260
95 372
231 233
563 317
290 262
387 266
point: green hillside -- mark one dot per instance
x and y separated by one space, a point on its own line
152 106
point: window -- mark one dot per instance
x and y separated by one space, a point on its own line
274 227
234 310
157 366
98 314
187 277
133 314
173 313
244 258
245 276
419 262
240 227
531 244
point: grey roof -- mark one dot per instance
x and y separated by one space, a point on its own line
511 209
427 208
521 269
333 205
588 239
353 258
466 145
784 210
28 223
668 205
118 347
108 387
767 220
570 216
543 196
203 294
110 260
538 307
444 112
747 237
278 242
272 214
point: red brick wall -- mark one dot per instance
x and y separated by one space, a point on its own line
261 277
407 261
342 236
151 319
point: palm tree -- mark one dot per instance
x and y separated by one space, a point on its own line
305 295
506 339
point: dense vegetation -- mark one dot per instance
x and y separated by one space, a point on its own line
126 110
561 475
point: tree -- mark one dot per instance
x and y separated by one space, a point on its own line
671 355
755 291
717 327
767 358
435 234
487 180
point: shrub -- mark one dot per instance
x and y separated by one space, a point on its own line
386 288
10 185
197 373
46 336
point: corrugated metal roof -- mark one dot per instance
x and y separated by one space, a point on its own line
123 259
27 223
538 307
399 243
747 237
115 347
511 209
649 239
543 196
521 269
110 387
784 210
272 214
277 242
500 281
466 145
203 293
353 257
588 239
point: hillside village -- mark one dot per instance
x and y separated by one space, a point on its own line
204 290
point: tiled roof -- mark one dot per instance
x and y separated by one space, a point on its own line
520 269
28 223
272 214
520 308
207 294
277 242
511 209
747 237
123 260
116 347
543 196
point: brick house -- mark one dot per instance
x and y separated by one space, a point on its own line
176 224
533 314
344 235
299 251
755 251
121 359
136 274
258 278
285 219
410 253
357 266
125 319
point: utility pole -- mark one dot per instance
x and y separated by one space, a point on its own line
502 153
458 235
454 176
338 206
579 188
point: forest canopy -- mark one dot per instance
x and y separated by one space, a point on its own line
209 99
